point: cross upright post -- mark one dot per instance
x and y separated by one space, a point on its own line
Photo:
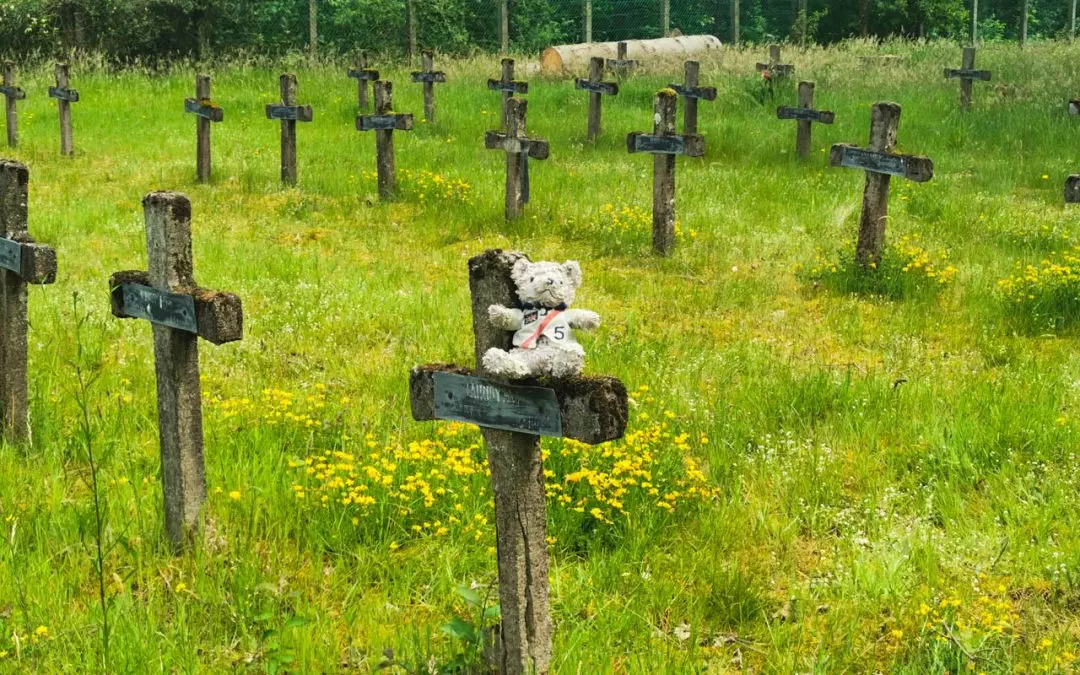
363 75
65 96
621 65
597 88
289 113
806 115
429 77
205 111
511 418
967 74
384 122
664 144
519 149
880 164
690 91
508 87
12 93
23 262
180 313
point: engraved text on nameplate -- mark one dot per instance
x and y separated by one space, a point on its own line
168 309
529 410
877 162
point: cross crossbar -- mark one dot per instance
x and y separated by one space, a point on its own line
968 74
215 316
64 94
607 88
205 109
778 68
298 113
704 93
396 121
32 262
805 114
13 92
364 74
691 145
436 76
536 148
913 167
514 87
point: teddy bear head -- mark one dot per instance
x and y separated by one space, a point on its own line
548 284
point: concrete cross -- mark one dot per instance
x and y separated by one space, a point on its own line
690 91
664 144
512 418
967 74
65 96
181 312
596 88
363 75
806 115
880 164
384 122
621 65
206 111
22 262
519 149
289 113
12 93
774 67
508 87
429 76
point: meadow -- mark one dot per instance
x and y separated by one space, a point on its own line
825 470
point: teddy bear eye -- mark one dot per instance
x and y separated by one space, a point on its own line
532 279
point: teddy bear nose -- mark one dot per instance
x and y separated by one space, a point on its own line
551 282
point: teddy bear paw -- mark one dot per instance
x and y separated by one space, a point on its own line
501 363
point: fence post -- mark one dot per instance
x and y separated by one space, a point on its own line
313 26
735 22
410 20
586 17
504 27
665 16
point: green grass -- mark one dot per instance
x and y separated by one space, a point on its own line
888 475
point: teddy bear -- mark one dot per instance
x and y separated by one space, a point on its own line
543 326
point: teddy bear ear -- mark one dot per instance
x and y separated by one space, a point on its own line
573 269
518 271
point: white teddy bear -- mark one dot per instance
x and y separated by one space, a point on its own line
544 341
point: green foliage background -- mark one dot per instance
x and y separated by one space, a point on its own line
128 30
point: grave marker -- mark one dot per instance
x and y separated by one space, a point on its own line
512 418
12 93
65 96
774 67
665 144
1072 189
519 149
206 111
621 65
384 122
806 115
690 91
22 262
508 87
1074 107
429 76
362 75
596 88
967 74
880 164
181 312
289 113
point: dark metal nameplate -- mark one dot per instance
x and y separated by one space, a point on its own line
514 87
167 309
437 76
296 113
620 64
205 110
805 115
69 95
364 74
13 92
659 145
1072 190
706 93
529 410
968 74
11 255
877 162
778 68
403 122
537 148
609 88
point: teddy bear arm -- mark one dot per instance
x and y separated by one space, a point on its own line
583 319
505 318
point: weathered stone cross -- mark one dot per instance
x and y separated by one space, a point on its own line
508 87
12 93
289 113
966 74
384 122
512 418
774 67
805 114
206 111
362 75
690 91
65 96
429 76
880 163
181 312
621 65
664 144
596 88
519 149
23 262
